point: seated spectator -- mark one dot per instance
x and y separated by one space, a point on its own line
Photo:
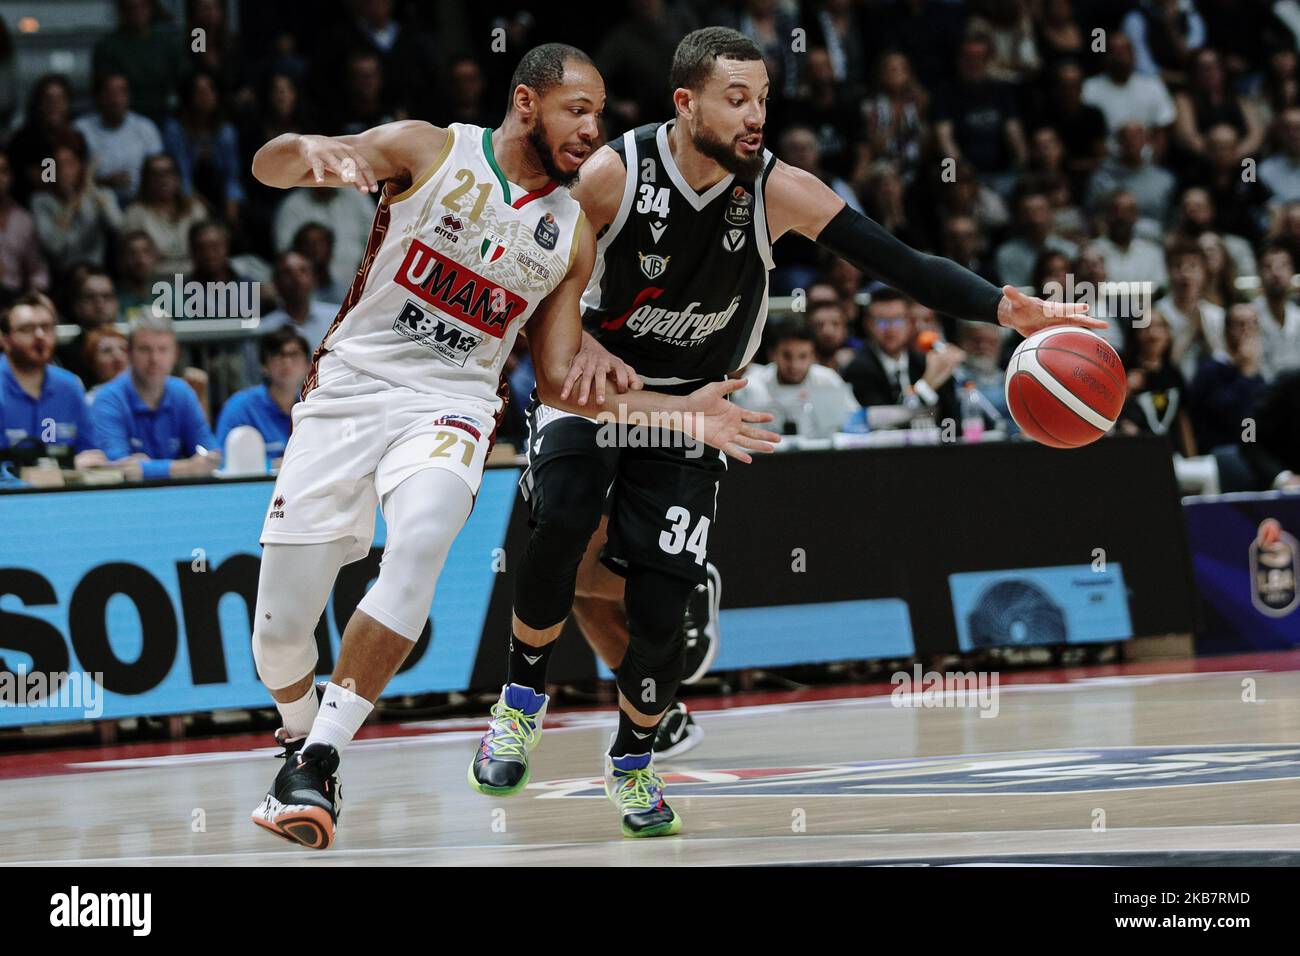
1221 270
1197 217
978 119
137 268
1275 452
799 147
1132 170
1128 257
1210 102
118 140
149 414
964 195
146 52
805 398
1240 201
42 407
299 310
886 372
830 334
1090 275
22 266
1009 26
347 214
883 201
167 215
210 252
104 357
1228 383
835 118
47 125
1279 315
964 244
895 114
1280 173
1080 126
1285 230
1059 35
1124 95
285 357
205 147
1034 221
1157 392
75 219
362 105
1196 323
94 306
1164 32
982 343
315 243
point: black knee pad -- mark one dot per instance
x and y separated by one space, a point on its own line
652 669
567 498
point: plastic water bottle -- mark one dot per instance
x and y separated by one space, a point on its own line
972 415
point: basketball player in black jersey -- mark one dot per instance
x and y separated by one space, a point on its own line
685 214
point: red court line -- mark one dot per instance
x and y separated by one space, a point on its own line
60 761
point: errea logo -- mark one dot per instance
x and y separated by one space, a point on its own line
77 909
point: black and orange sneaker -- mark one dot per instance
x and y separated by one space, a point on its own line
306 799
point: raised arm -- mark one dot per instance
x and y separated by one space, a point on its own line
554 339
798 201
363 161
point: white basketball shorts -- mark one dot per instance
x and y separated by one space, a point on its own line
355 438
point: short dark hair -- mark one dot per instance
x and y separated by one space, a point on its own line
272 342
797 329
886 295
33 299
542 68
695 55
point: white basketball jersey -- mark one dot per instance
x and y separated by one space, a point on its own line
456 264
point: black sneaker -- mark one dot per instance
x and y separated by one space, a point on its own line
700 626
678 732
304 803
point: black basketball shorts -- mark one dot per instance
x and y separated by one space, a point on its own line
661 489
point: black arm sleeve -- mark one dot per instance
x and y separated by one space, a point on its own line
934 281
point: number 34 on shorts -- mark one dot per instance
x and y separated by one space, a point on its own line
681 536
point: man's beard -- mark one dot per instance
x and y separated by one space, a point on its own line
540 143
710 145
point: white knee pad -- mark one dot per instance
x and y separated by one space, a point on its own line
424 514
292 588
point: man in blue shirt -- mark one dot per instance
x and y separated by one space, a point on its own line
149 414
42 407
295 285
284 355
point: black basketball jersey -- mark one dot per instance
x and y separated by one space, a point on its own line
679 289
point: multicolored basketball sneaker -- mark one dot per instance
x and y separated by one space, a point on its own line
633 786
500 766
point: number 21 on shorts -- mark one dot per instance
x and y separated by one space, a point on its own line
676 540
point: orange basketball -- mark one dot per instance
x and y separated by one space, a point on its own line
1065 386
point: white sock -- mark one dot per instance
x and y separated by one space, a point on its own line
299 714
340 716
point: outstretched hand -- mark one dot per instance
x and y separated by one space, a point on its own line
726 425
1028 314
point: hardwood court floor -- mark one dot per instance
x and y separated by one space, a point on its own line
1122 764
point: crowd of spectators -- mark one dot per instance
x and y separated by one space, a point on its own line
1047 144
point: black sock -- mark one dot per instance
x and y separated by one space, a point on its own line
530 670
632 739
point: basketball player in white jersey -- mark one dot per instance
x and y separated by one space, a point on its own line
473 237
